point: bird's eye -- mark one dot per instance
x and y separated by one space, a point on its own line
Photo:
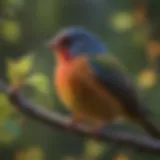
65 42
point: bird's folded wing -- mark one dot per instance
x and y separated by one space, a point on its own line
113 77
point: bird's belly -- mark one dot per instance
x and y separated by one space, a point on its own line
95 107
65 87
81 99
82 94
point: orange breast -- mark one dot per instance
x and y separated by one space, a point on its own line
66 83
81 92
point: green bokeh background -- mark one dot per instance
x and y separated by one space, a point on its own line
25 26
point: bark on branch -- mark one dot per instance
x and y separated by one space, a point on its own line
58 121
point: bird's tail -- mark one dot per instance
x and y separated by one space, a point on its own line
151 128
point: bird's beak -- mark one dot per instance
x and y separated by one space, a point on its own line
51 44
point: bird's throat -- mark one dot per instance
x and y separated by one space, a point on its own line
63 56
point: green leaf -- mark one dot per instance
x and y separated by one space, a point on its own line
147 79
10 131
35 153
39 81
18 69
24 65
93 149
11 31
5 110
122 21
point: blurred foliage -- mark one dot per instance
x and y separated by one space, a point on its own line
121 156
11 31
130 29
35 153
18 70
147 78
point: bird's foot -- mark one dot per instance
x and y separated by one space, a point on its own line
99 129
74 120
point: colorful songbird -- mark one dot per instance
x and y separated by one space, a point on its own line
92 83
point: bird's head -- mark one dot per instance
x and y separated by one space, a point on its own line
72 42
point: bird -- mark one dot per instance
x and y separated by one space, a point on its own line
93 84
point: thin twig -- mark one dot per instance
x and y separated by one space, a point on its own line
57 121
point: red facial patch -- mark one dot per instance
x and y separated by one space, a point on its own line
63 54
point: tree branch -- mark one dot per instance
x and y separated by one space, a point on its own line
57 121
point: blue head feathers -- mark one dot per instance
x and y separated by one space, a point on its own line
79 42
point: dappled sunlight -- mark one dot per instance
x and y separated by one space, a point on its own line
128 29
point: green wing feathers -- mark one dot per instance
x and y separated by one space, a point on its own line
115 78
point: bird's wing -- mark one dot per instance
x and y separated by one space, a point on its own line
113 77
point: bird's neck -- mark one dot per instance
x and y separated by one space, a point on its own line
64 57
